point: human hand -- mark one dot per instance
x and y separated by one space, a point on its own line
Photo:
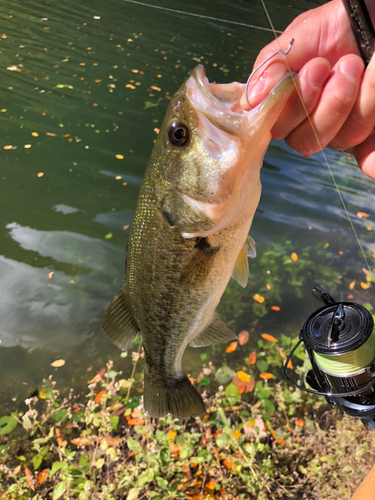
338 94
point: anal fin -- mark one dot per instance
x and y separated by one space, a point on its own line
118 324
251 251
214 333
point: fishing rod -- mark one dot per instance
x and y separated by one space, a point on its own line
339 337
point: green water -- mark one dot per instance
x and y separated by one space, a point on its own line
67 110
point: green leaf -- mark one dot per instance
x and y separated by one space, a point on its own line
114 421
36 461
222 440
224 375
262 365
133 444
269 409
231 392
205 381
59 415
8 423
162 483
58 491
57 466
203 356
133 494
108 236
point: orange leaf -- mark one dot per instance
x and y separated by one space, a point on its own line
99 396
294 256
268 286
352 284
268 337
228 464
243 337
259 298
278 441
275 308
81 441
290 366
350 296
98 376
301 422
171 435
244 377
29 478
210 485
237 434
365 286
231 347
253 358
362 214
59 435
241 389
175 450
266 376
112 441
42 476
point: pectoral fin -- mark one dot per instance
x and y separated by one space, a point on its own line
199 263
241 267
216 332
118 323
251 251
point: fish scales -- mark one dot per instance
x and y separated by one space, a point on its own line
190 233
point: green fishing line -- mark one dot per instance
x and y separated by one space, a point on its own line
349 363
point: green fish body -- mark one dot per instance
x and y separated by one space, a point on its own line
190 233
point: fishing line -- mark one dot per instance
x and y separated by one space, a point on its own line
202 16
321 148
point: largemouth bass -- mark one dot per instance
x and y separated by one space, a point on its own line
190 232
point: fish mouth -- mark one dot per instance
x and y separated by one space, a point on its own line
220 103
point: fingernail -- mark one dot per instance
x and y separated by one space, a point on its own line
257 88
318 73
352 68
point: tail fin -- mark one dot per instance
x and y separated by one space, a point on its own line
177 397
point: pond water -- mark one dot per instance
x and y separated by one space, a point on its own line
77 115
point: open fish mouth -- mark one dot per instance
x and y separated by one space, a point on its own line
220 103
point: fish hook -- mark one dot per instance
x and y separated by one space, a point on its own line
281 51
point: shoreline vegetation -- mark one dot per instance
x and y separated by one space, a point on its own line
259 439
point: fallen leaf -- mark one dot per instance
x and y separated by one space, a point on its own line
29 478
171 435
243 337
259 298
35 134
112 441
99 396
58 363
59 436
301 422
269 337
228 464
294 256
231 347
268 286
118 177
350 296
362 214
98 376
243 386
253 358
42 476
154 87
119 157
244 377
266 376
281 442
50 275
352 284
365 286
27 146
241 389
8 146
40 174
275 308
237 434
82 441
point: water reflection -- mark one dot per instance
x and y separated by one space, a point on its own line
84 88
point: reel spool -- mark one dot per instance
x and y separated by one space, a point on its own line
340 341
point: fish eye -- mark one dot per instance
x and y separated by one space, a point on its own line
178 134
